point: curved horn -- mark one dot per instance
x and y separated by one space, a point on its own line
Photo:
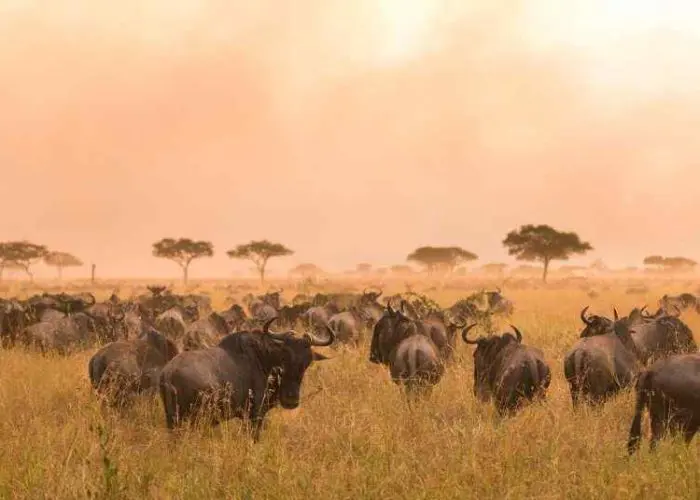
403 307
518 335
315 341
465 332
92 297
380 294
615 315
388 307
266 326
585 320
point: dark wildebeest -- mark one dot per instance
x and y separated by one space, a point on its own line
680 302
349 326
507 371
232 378
125 368
661 336
413 359
13 319
205 332
602 362
670 388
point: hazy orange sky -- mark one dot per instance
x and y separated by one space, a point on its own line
350 131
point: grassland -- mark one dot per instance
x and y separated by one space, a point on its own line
353 437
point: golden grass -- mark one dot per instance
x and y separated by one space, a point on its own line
357 438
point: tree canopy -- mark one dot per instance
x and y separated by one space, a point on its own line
306 270
543 243
22 255
494 267
182 251
59 260
669 263
259 252
434 258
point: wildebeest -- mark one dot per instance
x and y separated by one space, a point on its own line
390 330
508 372
173 322
416 364
232 378
62 335
670 389
125 368
13 319
604 360
680 302
205 332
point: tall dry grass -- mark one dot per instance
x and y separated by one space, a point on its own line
356 438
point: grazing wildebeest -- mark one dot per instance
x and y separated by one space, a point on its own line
63 335
662 336
125 368
507 371
232 377
601 364
316 318
670 389
205 332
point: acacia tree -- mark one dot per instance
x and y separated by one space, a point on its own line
259 252
21 255
436 258
182 251
494 267
670 263
306 270
59 260
543 243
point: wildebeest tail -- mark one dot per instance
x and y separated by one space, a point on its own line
96 368
168 394
642 391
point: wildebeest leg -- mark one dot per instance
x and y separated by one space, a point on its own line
658 424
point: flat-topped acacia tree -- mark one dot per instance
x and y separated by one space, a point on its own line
60 260
543 243
259 252
440 258
22 255
182 251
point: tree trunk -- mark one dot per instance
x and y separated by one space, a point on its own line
185 273
546 268
60 273
261 269
92 274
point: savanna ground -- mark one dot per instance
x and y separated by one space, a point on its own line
352 437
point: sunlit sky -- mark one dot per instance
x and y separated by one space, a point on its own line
350 131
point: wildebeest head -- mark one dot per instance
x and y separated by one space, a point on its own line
595 325
296 355
370 296
487 350
161 343
391 328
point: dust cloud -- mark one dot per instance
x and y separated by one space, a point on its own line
347 131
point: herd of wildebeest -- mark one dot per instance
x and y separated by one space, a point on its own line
210 366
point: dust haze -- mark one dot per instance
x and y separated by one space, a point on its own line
349 131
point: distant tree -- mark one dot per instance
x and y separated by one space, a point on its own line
670 263
401 269
182 251
440 258
494 267
259 252
654 260
543 243
363 268
306 270
599 265
21 255
59 260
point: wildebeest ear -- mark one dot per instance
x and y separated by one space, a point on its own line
317 356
